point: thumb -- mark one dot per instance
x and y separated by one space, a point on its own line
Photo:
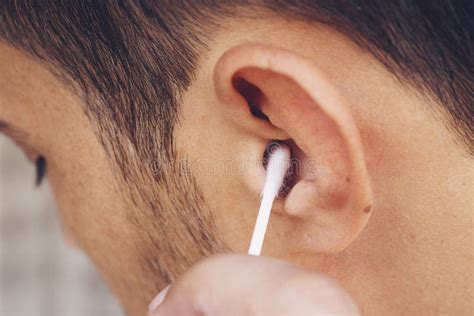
236 284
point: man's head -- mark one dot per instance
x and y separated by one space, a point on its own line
154 117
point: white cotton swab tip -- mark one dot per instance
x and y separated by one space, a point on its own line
278 164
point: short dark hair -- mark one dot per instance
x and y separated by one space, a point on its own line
133 59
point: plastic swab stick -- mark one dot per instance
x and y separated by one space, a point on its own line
278 164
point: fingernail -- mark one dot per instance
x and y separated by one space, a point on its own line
158 299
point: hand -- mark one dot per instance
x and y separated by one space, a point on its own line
236 284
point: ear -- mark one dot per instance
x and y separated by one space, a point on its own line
276 94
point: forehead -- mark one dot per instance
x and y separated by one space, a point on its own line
36 102
49 117
33 99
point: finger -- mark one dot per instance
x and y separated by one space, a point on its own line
247 285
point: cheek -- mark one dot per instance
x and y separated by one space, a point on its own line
91 209
83 204
94 213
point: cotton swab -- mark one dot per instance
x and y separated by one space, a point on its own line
278 164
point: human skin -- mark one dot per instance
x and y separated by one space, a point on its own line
256 286
411 253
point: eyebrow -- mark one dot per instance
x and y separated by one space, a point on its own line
13 131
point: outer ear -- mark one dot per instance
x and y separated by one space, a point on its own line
329 199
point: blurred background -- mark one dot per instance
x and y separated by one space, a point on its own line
39 273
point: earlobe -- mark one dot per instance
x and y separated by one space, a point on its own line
289 98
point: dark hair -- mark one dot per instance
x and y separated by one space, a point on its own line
132 59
